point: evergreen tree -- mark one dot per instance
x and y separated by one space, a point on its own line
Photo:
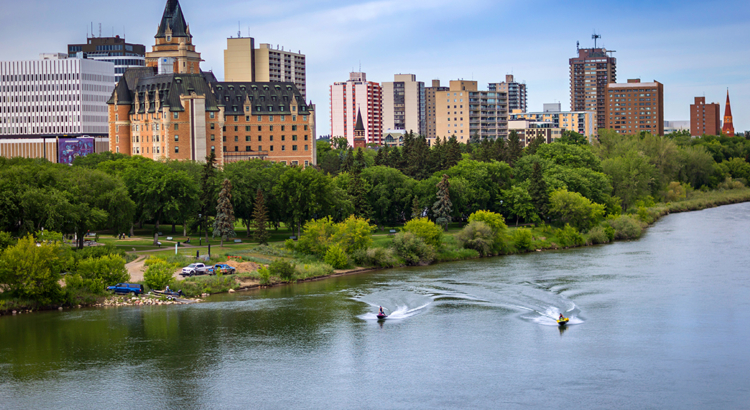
394 158
534 145
442 207
207 192
453 153
499 149
416 210
419 159
381 156
538 191
515 148
260 218
437 156
358 192
359 161
348 162
224 223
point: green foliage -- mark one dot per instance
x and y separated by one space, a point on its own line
158 274
573 208
730 184
413 249
95 274
569 236
538 191
598 235
425 229
522 238
316 236
32 272
573 138
312 270
336 257
265 275
442 207
518 203
353 233
380 257
496 222
6 240
260 218
479 236
610 232
224 222
626 227
282 269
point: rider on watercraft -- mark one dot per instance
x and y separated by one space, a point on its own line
380 312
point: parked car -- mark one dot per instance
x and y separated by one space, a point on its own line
194 269
125 288
225 269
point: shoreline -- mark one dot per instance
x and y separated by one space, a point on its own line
655 213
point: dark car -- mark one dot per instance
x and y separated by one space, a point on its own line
125 288
225 269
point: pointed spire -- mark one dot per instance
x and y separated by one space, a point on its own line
174 20
728 127
360 125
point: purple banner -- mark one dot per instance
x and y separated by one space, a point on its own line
69 148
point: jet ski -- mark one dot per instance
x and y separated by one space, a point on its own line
563 321
382 316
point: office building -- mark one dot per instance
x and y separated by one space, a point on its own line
430 109
466 112
590 73
705 119
635 107
113 49
728 128
528 130
51 98
582 122
404 104
353 96
245 63
162 114
516 93
676 126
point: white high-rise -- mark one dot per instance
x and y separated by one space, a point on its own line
404 104
347 98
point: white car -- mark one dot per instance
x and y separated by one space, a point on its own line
194 269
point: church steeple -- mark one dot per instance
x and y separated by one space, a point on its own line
360 141
172 22
728 127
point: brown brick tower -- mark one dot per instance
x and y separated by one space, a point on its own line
728 127
359 133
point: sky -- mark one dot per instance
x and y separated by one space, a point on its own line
695 48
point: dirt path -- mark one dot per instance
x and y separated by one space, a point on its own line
136 269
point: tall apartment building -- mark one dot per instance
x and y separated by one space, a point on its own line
516 92
244 62
634 107
705 119
52 97
582 122
404 104
430 109
590 73
113 49
350 96
728 127
161 114
464 111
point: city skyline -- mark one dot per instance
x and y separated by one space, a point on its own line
687 46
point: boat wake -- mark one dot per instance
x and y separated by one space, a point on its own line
400 312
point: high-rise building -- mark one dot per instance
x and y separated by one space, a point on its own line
52 97
516 92
634 107
404 104
466 112
728 127
582 122
173 51
590 73
350 96
244 62
113 49
705 119
162 114
430 109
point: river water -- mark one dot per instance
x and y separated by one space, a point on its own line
661 322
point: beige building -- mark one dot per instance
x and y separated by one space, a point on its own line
404 104
245 63
516 92
429 108
582 122
464 111
528 130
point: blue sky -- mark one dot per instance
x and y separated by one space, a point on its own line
695 48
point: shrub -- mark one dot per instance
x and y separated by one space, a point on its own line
523 239
477 235
6 240
313 270
626 227
413 249
353 234
316 236
158 275
32 272
336 257
610 232
569 236
380 257
282 269
730 184
496 222
290 245
597 235
425 229
265 275
95 274
575 209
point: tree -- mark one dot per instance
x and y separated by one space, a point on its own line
358 193
390 194
442 207
430 233
575 209
517 202
514 150
478 236
207 191
453 153
573 138
538 191
416 210
32 272
305 194
631 176
260 218
496 222
224 223
534 145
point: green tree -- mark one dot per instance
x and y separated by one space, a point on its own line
305 194
390 194
538 191
518 203
260 218
159 274
32 272
430 233
224 223
631 176
416 209
353 234
336 257
496 222
442 207
514 150
574 209
207 191
453 153
573 138
477 235
534 145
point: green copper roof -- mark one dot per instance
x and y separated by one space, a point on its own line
173 19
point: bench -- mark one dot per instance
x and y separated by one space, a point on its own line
160 234
392 232
294 238
169 238
238 241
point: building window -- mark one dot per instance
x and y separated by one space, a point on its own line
305 127
260 148
283 137
283 117
175 115
305 137
213 126
117 117
247 128
260 118
247 138
176 137
211 115
294 128
213 138
260 128
294 138
283 127
117 139
213 149
283 147
235 128
271 148
247 118
270 138
236 148
117 150
223 138
307 163
260 138
117 128
305 147
247 148
176 127
236 138
270 128
224 148
270 118
176 150
235 119
294 148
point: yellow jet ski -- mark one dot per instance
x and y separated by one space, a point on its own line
563 321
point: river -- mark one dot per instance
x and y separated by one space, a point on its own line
655 323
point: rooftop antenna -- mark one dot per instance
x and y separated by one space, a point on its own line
239 32
100 30
595 37
578 43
